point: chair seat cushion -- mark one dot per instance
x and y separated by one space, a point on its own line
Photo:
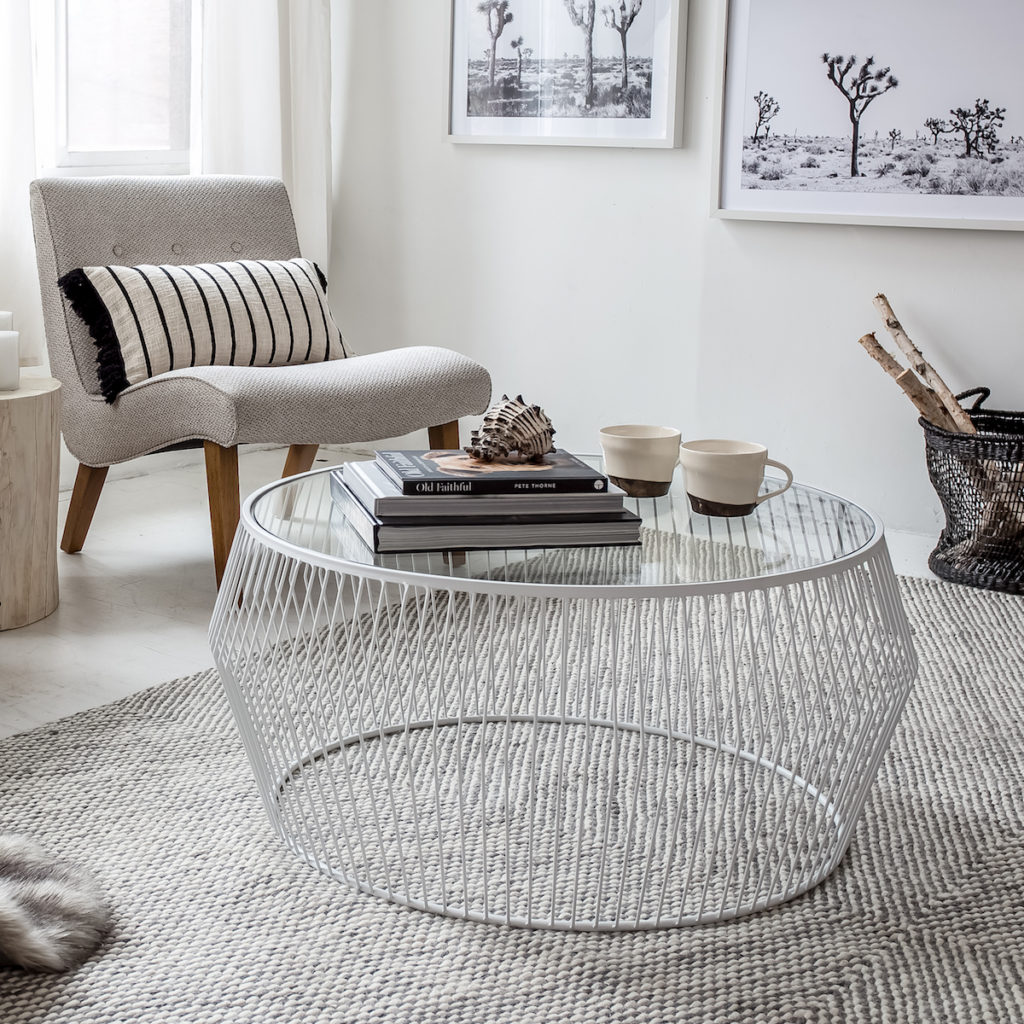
147 320
362 398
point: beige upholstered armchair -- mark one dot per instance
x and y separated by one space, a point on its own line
190 220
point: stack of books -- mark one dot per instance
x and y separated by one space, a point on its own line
447 501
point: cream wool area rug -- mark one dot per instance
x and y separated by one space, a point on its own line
216 921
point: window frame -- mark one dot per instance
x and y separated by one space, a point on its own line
176 159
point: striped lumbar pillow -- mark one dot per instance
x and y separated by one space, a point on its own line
147 319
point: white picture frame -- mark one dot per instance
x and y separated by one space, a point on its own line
929 180
537 87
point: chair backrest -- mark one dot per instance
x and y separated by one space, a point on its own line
82 222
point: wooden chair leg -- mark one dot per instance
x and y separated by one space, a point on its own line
222 485
88 484
445 435
300 459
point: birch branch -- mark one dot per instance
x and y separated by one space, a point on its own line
923 368
1001 518
926 401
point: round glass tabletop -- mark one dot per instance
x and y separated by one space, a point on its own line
798 532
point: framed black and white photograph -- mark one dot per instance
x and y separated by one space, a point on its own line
566 72
908 113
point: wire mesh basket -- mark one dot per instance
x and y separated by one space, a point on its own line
980 481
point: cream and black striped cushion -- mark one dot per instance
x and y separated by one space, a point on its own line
148 319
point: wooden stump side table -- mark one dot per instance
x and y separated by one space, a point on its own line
29 469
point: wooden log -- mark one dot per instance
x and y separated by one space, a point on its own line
1001 515
871 345
923 368
29 463
926 401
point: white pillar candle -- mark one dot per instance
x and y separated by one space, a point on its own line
10 373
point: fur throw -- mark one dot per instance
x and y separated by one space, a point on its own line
52 913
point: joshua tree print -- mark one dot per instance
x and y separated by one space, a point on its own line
978 126
517 45
936 126
860 90
525 60
767 108
582 15
498 16
622 24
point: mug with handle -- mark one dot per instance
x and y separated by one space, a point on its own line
723 477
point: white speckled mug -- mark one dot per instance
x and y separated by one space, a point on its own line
640 459
723 477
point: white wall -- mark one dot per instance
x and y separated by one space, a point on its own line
595 281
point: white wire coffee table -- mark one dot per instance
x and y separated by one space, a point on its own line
589 738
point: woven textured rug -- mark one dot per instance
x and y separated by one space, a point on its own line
215 921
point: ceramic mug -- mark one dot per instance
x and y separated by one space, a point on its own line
640 459
723 477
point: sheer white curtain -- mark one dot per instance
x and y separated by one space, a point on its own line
19 284
266 103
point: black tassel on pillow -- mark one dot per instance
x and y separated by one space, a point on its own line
85 301
322 278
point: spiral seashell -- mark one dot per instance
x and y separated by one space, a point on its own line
512 425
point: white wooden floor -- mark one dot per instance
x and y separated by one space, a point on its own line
136 601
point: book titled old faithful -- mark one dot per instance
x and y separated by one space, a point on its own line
445 471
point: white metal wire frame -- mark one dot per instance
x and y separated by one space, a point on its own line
516 754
